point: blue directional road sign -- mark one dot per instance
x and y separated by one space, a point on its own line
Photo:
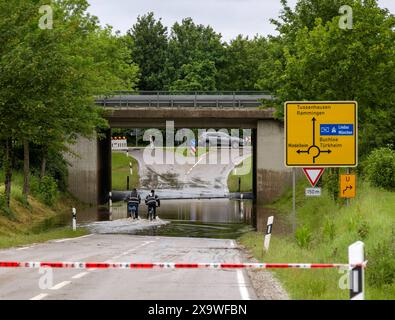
336 129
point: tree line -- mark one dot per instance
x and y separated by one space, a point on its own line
311 58
49 78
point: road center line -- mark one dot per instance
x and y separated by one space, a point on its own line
60 285
40 296
130 251
80 275
200 159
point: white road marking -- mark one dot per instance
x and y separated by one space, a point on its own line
241 280
40 296
80 275
24 248
200 159
68 239
83 274
60 285
130 251
242 285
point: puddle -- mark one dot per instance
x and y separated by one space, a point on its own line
208 218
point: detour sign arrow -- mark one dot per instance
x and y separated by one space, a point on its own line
347 186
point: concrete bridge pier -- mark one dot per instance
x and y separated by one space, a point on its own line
272 177
89 174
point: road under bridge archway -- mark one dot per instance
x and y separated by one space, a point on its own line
90 173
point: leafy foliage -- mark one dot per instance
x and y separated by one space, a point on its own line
48 78
190 46
46 189
148 42
379 168
382 263
313 59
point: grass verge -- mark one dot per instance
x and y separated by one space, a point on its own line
325 230
121 170
243 172
25 223
25 239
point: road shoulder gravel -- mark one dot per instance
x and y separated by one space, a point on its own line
264 282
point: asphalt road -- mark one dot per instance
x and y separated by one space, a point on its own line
158 284
205 177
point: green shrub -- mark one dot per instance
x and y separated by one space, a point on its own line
379 168
45 189
381 264
303 237
331 182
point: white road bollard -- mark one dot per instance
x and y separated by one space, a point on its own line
268 233
357 274
74 219
110 205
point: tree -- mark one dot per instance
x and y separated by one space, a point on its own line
242 60
305 14
48 78
328 63
148 45
196 76
192 44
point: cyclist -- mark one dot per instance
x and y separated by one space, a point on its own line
134 201
152 201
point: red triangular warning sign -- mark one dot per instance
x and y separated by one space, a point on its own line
313 174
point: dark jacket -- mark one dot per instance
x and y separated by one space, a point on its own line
152 200
134 198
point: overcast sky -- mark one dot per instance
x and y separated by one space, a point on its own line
229 17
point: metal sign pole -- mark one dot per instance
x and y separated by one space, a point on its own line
347 199
294 200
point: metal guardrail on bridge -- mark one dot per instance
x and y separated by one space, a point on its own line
218 99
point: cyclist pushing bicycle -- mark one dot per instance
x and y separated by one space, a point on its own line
152 201
134 201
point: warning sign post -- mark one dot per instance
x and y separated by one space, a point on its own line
321 134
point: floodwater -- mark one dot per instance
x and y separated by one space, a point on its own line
207 218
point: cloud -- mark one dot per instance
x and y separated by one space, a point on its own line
229 17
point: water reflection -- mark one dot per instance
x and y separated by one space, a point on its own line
215 218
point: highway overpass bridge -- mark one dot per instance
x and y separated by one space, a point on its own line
90 173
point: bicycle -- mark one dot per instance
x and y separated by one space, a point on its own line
151 213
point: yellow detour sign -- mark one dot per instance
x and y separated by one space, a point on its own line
322 134
347 186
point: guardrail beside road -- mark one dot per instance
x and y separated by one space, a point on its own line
183 99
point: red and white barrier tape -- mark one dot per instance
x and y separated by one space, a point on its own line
171 265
